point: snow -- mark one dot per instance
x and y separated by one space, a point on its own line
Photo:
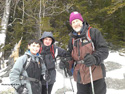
114 56
5 84
119 59
62 82
118 73
113 91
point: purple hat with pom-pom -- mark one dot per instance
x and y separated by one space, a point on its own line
75 15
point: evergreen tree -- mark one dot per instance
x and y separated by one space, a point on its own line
29 18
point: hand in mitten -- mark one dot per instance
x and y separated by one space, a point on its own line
22 89
25 91
89 60
62 65
46 77
69 72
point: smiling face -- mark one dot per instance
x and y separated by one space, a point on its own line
34 48
77 25
47 41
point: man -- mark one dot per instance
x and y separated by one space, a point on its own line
88 49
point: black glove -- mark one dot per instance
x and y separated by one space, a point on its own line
69 72
22 89
46 77
89 60
62 65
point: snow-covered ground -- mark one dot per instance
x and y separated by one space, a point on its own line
61 82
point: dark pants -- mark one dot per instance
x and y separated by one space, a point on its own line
45 90
99 87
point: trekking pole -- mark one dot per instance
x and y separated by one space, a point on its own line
47 87
71 85
90 71
64 80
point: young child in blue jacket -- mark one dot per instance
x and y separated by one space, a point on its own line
26 72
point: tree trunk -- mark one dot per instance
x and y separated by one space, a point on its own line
39 32
4 24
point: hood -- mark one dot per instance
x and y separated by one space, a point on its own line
83 31
47 34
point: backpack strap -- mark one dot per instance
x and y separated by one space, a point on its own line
88 34
29 78
52 51
27 63
25 66
73 41
89 38
40 49
56 52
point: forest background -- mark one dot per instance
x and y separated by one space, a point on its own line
30 18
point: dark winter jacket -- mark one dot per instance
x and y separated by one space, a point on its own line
34 70
101 49
48 58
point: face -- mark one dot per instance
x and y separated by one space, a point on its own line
47 41
77 25
34 48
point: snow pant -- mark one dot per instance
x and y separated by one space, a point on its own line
44 89
99 87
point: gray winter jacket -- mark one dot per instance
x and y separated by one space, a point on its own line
18 68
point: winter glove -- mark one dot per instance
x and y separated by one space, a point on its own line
69 72
62 65
65 62
25 91
46 77
89 60
22 89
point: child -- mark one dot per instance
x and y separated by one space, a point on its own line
25 74
49 50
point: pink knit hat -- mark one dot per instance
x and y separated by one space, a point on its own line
75 15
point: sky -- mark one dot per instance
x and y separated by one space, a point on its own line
62 82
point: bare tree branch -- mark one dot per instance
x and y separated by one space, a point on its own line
17 1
